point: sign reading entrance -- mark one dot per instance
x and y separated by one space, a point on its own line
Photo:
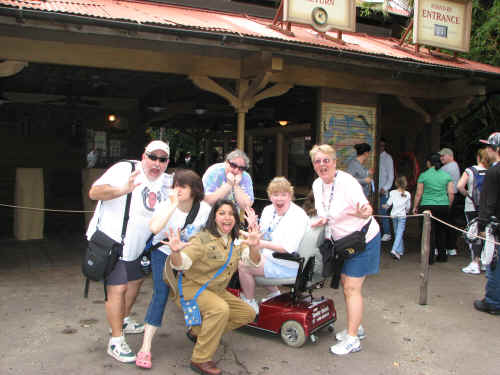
323 15
443 23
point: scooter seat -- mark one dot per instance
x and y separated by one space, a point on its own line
264 281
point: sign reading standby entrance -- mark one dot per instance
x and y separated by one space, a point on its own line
443 24
323 15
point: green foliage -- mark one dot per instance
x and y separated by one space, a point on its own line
485 32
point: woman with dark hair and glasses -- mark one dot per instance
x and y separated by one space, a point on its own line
186 196
357 169
435 193
199 260
229 180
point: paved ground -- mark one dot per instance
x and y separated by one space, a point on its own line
48 328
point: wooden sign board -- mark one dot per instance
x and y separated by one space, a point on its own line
322 15
443 23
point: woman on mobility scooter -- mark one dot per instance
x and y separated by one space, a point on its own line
283 225
217 247
343 209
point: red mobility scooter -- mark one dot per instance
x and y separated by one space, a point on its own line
297 315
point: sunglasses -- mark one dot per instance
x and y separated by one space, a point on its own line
322 161
162 159
233 165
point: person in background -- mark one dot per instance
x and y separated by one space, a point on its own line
489 206
400 200
385 181
229 180
465 186
343 208
435 193
356 168
283 225
149 185
171 214
450 166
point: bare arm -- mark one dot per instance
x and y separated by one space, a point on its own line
241 197
161 217
107 192
462 183
418 196
451 193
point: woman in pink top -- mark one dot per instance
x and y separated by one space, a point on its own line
343 208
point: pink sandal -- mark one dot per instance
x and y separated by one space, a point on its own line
143 360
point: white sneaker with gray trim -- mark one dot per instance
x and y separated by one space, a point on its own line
351 344
252 302
451 252
131 327
121 351
386 237
472 268
343 334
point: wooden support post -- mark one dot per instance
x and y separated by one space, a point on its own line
424 257
279 153
241 130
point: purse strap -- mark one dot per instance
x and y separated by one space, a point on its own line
204 286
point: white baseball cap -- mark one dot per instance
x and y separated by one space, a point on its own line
157 145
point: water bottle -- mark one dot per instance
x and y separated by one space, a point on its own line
145 265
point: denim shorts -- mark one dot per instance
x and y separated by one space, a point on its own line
365 263
124 272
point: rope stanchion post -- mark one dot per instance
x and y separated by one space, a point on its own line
424 258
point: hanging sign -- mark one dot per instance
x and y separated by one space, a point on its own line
443 23
323 15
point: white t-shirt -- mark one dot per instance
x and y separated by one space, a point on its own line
177 221
400 205
108 215
286 230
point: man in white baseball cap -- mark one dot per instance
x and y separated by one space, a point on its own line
149 185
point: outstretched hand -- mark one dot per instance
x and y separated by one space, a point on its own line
131 184
252 237
251 217
174 241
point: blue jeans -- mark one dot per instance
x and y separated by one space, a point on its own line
386 226
399 224
492 295
156 308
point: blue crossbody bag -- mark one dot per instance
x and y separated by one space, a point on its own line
192 315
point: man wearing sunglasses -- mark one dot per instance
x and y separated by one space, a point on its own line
149 185
229 180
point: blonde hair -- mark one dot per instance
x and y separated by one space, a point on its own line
401 183
325 149
484 159
279 185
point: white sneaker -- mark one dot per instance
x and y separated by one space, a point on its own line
395 254
340 336
472 268
251 302
351 344
121 351
436 252
131 327
451 252
386 237
270 295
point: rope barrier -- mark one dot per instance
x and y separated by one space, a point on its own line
44 209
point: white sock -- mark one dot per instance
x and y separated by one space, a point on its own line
116 340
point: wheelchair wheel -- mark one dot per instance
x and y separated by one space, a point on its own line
293 334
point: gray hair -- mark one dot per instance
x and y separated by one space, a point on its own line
238 154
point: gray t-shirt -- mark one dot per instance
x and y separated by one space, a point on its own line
454 171
359 172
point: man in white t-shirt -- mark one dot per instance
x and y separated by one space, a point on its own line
451 167
385 180
149 185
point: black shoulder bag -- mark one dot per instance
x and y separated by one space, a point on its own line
103 252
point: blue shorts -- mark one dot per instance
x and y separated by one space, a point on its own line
124 272
365 263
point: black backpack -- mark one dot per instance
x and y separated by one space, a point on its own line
477 185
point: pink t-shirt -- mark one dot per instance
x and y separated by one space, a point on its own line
339 207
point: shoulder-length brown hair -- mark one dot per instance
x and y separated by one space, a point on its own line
187 177
211 225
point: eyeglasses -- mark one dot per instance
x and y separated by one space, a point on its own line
153 157
322 161
240 167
